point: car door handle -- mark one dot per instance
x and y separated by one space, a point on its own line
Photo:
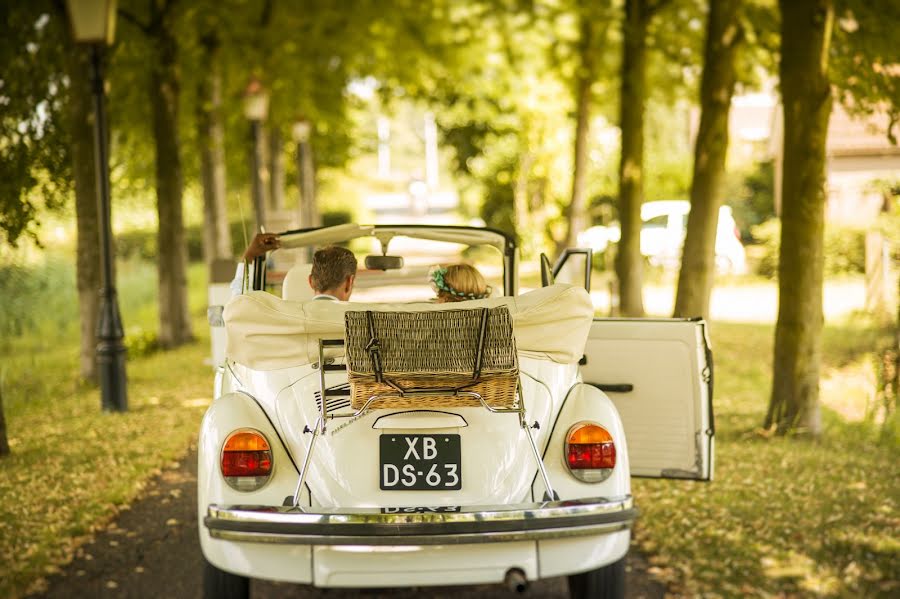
614 387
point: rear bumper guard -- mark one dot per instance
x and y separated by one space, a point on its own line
448 525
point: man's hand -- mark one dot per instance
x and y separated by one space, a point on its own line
262 243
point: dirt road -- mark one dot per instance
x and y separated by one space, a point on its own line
152 551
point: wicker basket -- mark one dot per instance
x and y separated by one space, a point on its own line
394 353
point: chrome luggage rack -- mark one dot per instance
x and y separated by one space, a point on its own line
324 393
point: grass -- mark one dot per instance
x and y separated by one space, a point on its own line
784 517
72 467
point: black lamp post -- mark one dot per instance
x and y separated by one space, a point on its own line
93 22
256 107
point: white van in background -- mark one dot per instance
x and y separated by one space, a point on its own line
663 228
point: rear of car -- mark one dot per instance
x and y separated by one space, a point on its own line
418 497
301 479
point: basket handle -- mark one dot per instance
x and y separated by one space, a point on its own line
479 349
373 347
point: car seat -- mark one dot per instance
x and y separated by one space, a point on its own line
296 284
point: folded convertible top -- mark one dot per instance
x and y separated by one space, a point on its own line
267 333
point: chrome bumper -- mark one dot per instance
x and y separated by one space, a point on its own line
393 526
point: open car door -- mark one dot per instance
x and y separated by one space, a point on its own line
659 374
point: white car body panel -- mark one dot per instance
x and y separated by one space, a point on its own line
340 468
345 531
667 416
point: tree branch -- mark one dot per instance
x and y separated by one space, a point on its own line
265 17
127 16
654 7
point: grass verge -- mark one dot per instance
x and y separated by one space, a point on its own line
73 467
785 517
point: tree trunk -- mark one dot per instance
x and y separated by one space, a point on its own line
4 442
211 138
307 166
806 96
258 174
81 130
723 37
584 80
629 261
276 169
174 318
529 238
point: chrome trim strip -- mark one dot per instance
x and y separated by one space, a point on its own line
369 526
438 539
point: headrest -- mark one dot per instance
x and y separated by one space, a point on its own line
296 287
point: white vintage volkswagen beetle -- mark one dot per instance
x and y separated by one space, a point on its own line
305 478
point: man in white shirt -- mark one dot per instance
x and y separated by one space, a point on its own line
333 269
333 273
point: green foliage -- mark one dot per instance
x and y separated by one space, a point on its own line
37 300
864 55
497 206
751 195
34 159
140 343
844 248
141 244
336 217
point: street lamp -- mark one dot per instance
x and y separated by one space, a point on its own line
256 107
301 132
93 22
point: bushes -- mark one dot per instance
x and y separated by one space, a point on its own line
845 249
141 243
40 299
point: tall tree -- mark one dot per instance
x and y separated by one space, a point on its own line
4 441
584 79
806 27
724 35
163 89
211 141
593 26
629 261
81 131
47 148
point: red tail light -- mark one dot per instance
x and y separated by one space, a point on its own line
246 460
590 452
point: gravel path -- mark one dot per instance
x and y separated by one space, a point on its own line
152 551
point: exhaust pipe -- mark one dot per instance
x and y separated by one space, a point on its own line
515 580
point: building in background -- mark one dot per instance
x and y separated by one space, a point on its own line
859 156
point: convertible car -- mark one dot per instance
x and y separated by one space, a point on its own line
391 441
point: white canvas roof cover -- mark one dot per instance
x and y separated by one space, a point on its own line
341 233
267 333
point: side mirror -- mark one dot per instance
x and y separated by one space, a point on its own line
375 262
573 266
547 277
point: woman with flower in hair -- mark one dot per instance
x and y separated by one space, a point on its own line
457 283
